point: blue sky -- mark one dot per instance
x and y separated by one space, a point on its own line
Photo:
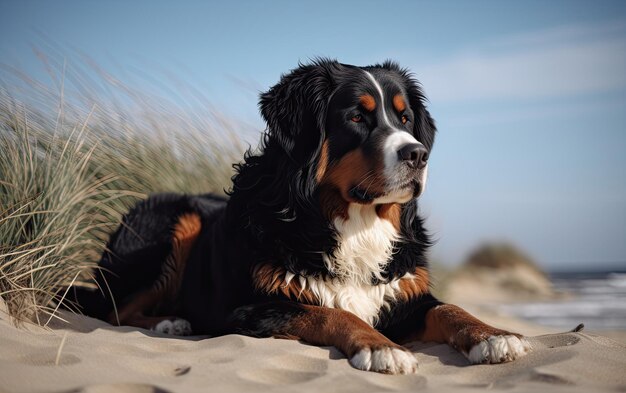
529 97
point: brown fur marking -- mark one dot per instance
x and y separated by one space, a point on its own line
368 102
184 235
270 279
451 324
322 164
354 169
390 212
398 103
344 330
333 205
416 286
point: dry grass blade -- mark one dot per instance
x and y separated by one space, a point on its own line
71 166
60 350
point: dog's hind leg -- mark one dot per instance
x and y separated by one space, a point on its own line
136 253
366 348
144 307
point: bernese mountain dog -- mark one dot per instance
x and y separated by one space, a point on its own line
319 239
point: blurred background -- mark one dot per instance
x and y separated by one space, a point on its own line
528 174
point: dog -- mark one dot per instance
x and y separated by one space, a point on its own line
319 238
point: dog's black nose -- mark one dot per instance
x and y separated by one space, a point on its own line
415 154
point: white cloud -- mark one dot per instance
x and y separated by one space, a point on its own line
550 63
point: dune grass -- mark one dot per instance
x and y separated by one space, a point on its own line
73 159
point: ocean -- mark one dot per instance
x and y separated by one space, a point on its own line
596 299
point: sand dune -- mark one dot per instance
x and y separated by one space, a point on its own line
97 357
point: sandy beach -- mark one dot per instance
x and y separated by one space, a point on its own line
88 355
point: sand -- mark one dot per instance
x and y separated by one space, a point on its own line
88 355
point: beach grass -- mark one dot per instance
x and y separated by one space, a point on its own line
74 156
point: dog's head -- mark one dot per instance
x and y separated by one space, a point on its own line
363 132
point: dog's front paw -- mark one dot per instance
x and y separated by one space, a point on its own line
499 349
385 359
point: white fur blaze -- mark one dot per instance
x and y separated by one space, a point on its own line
386 360
499 349
177 327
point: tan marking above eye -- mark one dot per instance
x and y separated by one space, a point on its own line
368 102
398 103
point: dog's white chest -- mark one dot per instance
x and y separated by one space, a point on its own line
365 246
363 300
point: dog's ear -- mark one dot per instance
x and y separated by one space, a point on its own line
295 108
424 127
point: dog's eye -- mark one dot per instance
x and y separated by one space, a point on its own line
357 118
404 119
